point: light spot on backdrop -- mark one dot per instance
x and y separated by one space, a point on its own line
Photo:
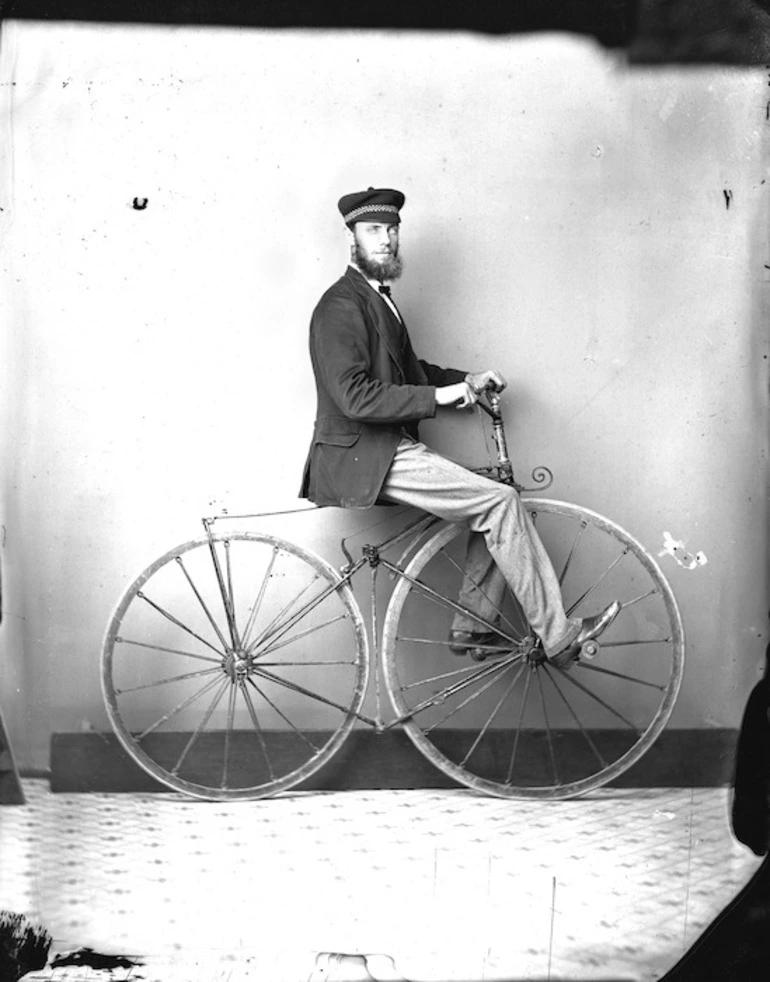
678 550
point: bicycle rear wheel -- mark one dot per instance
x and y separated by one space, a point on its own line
513 725
234 666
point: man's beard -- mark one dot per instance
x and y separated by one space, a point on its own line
387 269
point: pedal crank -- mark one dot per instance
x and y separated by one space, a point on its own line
589 650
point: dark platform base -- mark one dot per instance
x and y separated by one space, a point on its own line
85 762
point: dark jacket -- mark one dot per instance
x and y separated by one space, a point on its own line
751 781
371 388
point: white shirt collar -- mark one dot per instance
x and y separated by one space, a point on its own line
375 285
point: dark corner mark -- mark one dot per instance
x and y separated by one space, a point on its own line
612 22
652 32
24 946
88 958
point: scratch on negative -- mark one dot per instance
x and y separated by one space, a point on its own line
595 396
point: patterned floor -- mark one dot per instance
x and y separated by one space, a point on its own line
448 885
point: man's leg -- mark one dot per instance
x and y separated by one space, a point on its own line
426 480
483 588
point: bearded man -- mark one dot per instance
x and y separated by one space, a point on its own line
372 392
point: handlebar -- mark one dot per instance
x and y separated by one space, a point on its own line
489 401
493 409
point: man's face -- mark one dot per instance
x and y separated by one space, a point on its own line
375 250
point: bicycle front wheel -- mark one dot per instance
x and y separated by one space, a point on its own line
234 666
512 725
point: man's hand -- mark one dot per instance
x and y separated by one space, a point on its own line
479 381
460 395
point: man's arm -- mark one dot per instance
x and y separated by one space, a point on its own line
459 388
341 357
490 379
456 380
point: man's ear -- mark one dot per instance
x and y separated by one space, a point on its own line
350 234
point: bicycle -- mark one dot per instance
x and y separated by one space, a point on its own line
235 665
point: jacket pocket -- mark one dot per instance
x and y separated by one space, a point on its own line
337 431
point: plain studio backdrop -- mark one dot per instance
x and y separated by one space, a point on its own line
598 233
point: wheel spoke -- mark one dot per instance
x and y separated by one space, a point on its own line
451 690
642 596
514 749
257 728
170 651
503 618
166 681
597 582
482 732
272 631
296 687
551 753
176 621
283 716
571 678
200 728
581 528
180 707
308 663
451 604
637 642
467 645
231 594
314 629
226 599
620 675
574 715
468 699
456 672
272 634
228 732
245 641
201 601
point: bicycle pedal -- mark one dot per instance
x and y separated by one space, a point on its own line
481 654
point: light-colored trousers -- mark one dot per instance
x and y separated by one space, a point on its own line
503 541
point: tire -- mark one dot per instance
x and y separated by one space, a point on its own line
234 666
513 725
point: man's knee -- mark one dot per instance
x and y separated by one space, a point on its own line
505 505
509 498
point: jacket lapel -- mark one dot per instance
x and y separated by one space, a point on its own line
381 316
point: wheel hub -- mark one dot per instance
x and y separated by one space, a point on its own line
532 651
238 665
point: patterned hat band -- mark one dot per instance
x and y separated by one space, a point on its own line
369 210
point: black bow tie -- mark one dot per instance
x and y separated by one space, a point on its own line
385 292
